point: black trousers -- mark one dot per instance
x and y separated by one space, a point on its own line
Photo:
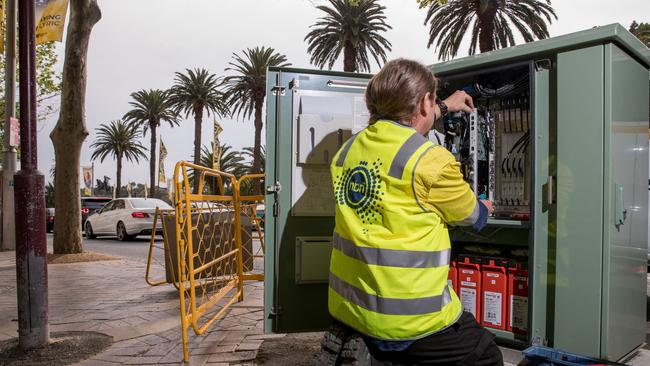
465 343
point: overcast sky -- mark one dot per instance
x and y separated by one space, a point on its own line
139 44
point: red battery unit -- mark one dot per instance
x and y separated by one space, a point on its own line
468 268
517 297
452 278
494 292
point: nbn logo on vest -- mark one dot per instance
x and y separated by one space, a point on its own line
360 189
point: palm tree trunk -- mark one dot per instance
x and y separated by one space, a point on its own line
257 148
198 119
486 25
118 175
152 159
349 57
70 131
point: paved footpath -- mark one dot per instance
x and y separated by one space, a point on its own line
112 297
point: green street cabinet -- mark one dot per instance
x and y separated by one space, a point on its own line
558 141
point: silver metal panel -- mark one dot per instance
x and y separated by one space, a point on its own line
322 122
626 210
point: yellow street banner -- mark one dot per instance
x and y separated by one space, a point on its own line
50 20
161 163
216 146
88 177
50 15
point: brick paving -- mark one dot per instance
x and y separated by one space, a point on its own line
112 297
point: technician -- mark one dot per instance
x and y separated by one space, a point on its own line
396 193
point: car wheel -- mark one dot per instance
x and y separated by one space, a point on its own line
89 231
122 235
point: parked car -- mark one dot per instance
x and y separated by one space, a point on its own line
125 217
49 220
89 205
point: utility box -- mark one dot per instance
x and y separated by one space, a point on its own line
558 141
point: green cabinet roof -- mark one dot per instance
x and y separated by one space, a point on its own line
615 33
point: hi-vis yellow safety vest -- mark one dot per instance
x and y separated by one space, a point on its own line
390 257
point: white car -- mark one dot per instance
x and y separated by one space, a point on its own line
126 218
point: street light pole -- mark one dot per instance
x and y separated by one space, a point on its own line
31 248
9 152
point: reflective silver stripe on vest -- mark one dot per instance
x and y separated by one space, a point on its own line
404 154
389 306
392 257
344 152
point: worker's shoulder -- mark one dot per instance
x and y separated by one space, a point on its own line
437 155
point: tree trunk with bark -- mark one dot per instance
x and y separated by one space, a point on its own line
349 57
198 119
70 131
118 175
257 148
486 25
152 158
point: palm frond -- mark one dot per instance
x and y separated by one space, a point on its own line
117 139
492 23
357 26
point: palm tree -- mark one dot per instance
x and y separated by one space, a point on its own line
248 152
192 93
119 140
230 161
246 90
353 27
491 21
150 107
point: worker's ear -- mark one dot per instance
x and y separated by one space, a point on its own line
425 105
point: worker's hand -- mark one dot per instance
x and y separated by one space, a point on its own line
489 205
459 101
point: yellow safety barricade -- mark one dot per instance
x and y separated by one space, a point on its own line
210 257
161 217
252 207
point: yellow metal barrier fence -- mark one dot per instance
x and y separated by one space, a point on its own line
162 218
252 208
214 243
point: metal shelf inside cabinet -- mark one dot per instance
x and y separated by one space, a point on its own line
515 224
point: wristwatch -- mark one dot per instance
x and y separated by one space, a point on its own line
442 106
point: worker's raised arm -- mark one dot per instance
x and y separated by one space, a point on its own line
440 188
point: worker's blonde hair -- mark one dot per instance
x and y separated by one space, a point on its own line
395 91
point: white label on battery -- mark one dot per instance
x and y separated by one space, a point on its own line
468 284
492 302
492 275
468 299
519 312
450 283
467 271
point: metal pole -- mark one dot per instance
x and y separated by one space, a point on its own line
9 152
31 249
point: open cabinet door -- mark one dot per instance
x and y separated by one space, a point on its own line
541 205
309 116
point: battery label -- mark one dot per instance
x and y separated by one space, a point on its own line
492 302
468 299
468 284
519 312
